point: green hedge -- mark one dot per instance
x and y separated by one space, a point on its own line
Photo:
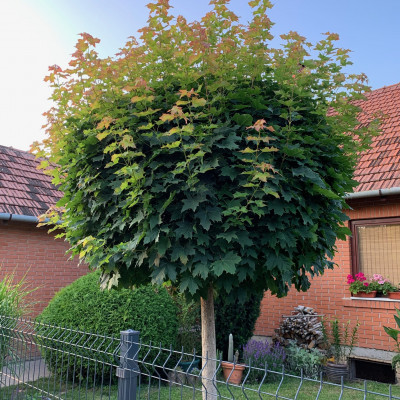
83 306
236 318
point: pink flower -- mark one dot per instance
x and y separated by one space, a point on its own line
381 282
366 284
360 277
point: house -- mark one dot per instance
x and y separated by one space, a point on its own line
374 247
26 193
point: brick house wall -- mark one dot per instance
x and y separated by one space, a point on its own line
24 248
329 293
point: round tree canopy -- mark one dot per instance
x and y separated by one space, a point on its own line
202 156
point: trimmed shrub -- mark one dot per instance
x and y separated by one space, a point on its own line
83 306
236 318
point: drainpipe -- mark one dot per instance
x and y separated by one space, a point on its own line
373 193
20 218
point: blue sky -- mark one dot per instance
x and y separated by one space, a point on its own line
35 34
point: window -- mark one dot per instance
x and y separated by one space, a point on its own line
375 247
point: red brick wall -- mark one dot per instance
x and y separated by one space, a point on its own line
24 248
329 294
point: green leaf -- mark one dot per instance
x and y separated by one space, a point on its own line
208 215
172 145
243 119
397 319
393 333
228 236
184 229
188 283
199 102
326 192
191 203
230 172
201 270
226 264
395 360
163 244
314 177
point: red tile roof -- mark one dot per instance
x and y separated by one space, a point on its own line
24 190
379 167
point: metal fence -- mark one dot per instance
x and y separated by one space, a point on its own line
42 361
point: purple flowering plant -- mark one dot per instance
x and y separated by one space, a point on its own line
260 354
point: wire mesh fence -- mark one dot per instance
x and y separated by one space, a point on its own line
42 362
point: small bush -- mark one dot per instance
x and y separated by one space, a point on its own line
83 306
263 354
297 359
236 318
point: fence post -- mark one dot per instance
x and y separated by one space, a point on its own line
128 370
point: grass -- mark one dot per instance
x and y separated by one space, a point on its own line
290 386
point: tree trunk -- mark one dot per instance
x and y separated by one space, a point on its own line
208 344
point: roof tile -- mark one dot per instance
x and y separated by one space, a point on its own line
379 167
24 189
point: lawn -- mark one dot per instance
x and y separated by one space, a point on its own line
288 390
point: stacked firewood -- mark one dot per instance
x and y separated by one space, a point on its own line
303 327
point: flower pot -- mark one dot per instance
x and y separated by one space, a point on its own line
365 295
233 371
394 295
334 372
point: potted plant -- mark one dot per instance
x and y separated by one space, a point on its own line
339 343
359 287
232 370
383 285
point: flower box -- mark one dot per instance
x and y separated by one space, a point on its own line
365 295
394 295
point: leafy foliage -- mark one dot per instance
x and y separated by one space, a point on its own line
202 156
189 334
340 338
83 306
236 318
299 359
14 302
394 334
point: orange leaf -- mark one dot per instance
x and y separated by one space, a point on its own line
105 123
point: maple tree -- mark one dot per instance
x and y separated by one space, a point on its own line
202 156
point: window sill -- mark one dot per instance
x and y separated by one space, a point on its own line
374 302
372 299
